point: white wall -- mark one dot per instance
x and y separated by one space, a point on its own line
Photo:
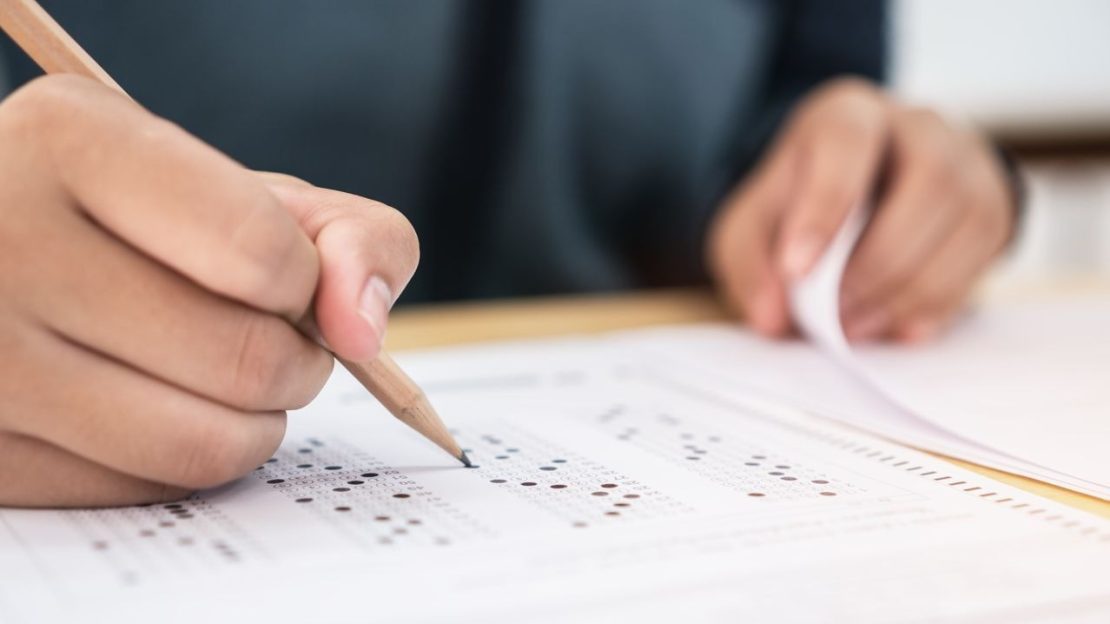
1067 221
1024 68
1034 70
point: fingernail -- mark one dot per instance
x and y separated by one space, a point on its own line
374 304
867 326
800 255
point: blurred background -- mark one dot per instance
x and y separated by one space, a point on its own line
1036 74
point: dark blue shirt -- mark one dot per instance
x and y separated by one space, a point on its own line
538 146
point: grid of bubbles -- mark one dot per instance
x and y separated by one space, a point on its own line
374 504
745 466
579 490
189 536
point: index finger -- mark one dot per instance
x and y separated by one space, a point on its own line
840 155
168 194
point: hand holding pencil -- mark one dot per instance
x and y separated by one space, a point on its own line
150 291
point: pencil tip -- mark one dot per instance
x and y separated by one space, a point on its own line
464 459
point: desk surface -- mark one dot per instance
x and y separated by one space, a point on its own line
433 326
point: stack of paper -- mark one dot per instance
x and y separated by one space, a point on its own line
1020 387
614 483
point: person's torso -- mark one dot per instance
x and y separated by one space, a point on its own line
530 143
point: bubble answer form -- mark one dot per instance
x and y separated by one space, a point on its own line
611 482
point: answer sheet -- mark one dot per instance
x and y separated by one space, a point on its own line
1020 387
614 480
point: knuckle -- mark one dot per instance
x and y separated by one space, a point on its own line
849 97
274 367
45 94
855 103
266 247
211 455
848 127
936 166
311 374
40 103
852 88
154 135
851 119
825 195
924 117
932 148
258 372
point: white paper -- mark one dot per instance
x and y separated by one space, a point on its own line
1029 379
660 460
1019 387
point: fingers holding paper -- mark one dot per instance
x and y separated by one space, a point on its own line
775 226
149 295
835 145
942 212
946 214
741 247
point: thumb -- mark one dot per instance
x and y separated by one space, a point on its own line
368 253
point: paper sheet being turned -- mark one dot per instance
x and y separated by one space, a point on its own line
997 392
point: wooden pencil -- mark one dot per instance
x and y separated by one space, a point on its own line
49 45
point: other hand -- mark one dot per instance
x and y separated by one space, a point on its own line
943 210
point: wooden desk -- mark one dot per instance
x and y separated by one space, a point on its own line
433 326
